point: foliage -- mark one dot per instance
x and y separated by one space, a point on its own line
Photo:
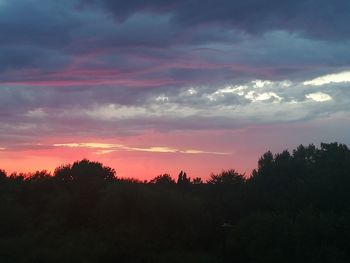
295 207
229 177
164 180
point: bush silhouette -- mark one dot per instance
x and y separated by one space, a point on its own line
85 171
228 177
163 180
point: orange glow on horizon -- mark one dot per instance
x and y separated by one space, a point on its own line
138 165
149 154
130 157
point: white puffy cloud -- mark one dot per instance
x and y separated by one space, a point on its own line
318 96
254 96
330 78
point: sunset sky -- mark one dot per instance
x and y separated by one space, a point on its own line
151 87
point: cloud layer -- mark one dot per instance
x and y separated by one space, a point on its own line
101 71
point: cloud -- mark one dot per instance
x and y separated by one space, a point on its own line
41 23
163 44
319 97
88 145
105 68
318 19
330 78
35 113
103 148
254 96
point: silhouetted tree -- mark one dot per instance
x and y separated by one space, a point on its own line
38 176
63 173
164 179
227 177
183 180
3 176
85 171
295 207
197 180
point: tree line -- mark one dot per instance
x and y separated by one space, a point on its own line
295 207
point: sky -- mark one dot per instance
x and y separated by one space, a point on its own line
159 86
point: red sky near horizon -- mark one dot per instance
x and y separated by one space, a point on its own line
159 87
196 152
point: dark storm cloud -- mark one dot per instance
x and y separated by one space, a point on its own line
315 18
46 34
102 68
41 23
51 35
31 57
144 30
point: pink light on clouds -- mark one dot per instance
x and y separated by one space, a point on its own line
94 82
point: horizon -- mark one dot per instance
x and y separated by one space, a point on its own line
172 174
163 86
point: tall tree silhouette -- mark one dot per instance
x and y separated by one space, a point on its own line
183 180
